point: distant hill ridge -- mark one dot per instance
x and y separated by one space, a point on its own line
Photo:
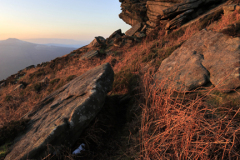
16 54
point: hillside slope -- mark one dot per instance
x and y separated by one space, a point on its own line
143 118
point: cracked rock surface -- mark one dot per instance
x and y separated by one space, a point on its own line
63 115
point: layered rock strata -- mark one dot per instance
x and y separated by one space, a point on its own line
133 11
172 13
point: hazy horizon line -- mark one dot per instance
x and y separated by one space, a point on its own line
53 41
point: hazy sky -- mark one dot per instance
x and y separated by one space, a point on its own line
65 19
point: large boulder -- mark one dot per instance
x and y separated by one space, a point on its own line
62 116
206 56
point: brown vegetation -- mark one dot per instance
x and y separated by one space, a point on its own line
172 125
183 126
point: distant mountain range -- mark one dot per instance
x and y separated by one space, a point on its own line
64 45
59 42
17 54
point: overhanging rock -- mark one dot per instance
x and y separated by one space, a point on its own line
63 115
169 13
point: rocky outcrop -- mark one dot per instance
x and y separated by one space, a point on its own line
206 56
97 42
63 115
100 47
171 13
178 20
133 11
134 29
125 41
115 35
89 55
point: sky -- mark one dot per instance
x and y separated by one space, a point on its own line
80 20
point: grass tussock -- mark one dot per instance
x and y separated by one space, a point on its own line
180 126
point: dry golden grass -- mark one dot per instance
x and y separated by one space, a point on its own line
225 21
180 126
